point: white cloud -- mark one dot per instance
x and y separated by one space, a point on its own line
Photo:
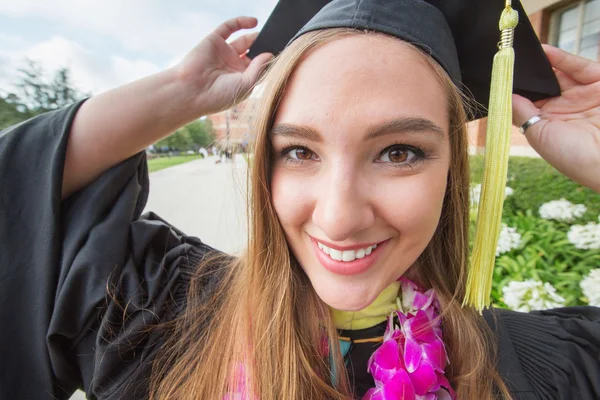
126 70
12 41
157 30
10 60
140 25
91 72
58 52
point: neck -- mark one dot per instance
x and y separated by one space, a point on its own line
375 313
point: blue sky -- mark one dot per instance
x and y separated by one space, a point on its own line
110 42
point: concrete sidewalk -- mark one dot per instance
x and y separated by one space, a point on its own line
204 199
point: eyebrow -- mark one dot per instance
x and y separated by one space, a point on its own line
407 124
398 125
296 131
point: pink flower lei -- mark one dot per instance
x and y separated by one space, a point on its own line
410 363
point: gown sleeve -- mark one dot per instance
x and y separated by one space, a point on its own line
551 354
84 280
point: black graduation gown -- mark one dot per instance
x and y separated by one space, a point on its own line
82 279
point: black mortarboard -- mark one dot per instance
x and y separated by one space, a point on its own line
461 35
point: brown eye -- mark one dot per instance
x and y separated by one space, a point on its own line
301 154
401 155
398 155
304 154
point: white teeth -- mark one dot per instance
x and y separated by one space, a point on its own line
335 254
346 255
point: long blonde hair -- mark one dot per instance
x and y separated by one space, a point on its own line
264 331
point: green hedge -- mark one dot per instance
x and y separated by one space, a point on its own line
545 255
536 182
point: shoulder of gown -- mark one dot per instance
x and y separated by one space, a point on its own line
81 280
551 354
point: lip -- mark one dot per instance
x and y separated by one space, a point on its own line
353 247
354 267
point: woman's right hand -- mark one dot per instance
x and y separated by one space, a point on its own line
115 125
220 73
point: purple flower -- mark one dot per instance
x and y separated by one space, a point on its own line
422 344
397 387
411 360
413 298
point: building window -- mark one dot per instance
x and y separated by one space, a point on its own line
576 28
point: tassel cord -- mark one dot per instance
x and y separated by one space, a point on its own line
499 128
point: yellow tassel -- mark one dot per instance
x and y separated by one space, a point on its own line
497 148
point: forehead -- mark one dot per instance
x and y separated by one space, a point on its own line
360 80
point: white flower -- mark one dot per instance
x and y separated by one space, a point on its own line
562 210
476 192
509 239
531 295
590 286
585 236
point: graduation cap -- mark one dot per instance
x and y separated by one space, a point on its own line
461 35
486 49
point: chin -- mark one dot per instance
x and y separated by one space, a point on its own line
347 296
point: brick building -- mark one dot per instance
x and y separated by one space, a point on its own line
572 25
233 127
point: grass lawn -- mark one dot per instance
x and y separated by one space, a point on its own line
165 162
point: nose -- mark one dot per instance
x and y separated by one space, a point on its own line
343 208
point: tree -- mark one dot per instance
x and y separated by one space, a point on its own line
200 133
196 134
9 113
36 95
179 140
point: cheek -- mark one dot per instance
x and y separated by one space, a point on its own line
414 207
291 199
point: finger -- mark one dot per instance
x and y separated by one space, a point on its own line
565 81
541 103
256 67
246 60
523 109
581 69
243 43
235 24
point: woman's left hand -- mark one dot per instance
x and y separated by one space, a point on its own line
568 136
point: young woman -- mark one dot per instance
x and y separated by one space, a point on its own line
355 184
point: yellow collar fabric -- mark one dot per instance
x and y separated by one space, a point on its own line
372 315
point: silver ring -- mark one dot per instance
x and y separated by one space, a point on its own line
530 122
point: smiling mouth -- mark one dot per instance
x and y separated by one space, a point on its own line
346 255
